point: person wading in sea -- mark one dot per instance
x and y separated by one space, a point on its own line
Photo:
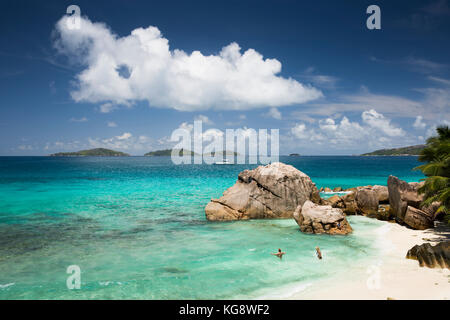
279 254
319 254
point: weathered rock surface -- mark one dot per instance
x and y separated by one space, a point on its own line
313 218
402 195
272 191
350 206
418 219
335 201
337 189
382 193
437 256
367 202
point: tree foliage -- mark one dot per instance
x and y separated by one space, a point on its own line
436 156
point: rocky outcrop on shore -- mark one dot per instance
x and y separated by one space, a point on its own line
314 218
399 201
405 202
365 200
277 190
437 256
271 191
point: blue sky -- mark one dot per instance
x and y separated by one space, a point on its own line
308 68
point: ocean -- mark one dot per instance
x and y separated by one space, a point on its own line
136 228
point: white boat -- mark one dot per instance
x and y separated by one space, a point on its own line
224 161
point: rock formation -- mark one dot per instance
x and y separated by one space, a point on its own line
382 193
405 202
437 256
418 219
314 218
272 191
367 202
402 195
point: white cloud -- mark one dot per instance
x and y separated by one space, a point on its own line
83 119
345 136
440 80
204 119
378 121
172 78
274 113
107 107
124 136
320 80
418 123
112 124
299 131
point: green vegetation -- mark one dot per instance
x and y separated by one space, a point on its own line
168 152
436 154
405 151
98 152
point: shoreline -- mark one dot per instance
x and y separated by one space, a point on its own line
395 277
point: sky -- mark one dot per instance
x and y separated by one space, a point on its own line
135 71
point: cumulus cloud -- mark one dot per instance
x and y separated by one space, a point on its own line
373 132
169 78
124 136
418 123
111 124
274 113
378 121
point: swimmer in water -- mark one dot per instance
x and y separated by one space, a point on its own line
319 254
279 254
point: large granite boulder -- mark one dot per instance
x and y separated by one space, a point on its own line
335 201
350 205
437 256
314 218
271 191
382 193
402 195
418 219
367 202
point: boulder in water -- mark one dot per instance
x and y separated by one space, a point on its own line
367 201
271 191
314 218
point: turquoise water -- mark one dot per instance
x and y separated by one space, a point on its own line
136 228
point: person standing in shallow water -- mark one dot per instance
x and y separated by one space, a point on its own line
319 254
279 254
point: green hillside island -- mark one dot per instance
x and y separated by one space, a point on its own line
405 151
98 152
168 152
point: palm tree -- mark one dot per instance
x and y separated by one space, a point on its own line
436 154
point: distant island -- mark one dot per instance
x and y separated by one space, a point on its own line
98 152
294 155
405 151
222 153
186 152
168 152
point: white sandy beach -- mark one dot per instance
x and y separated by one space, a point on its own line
399 278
